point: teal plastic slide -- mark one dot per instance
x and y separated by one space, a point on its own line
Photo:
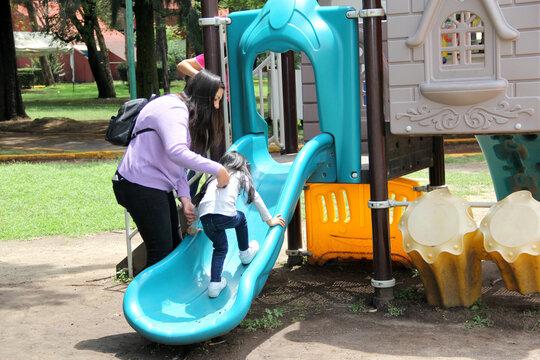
168 302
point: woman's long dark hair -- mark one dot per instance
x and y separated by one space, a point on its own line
233 162
205 121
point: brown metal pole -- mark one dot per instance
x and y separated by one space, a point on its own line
382 264
436 172
212 58
289 102
294 228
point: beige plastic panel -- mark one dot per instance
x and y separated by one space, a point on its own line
471 92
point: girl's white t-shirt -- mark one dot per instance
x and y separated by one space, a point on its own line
223 200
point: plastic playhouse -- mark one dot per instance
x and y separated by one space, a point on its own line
483 79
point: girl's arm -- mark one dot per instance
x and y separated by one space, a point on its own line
265 214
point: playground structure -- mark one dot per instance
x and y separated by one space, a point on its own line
167 303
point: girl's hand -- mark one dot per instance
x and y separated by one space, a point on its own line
276 220
222 178
192 231
188 209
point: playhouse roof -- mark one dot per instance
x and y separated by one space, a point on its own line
503 29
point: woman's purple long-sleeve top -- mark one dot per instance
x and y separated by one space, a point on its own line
159 159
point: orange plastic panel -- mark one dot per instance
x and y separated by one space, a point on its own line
338 220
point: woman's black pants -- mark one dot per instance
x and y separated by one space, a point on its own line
155 214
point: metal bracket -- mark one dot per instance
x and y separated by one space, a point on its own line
383 284
353 14
428 188
385 204
299 252
365 13
214 21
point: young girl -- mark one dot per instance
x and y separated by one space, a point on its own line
217 211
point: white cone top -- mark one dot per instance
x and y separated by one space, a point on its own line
512 226
436 222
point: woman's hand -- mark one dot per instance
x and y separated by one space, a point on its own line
222 178
276 220
188 209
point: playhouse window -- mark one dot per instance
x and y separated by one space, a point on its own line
462 41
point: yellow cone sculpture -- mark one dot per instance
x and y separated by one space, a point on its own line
445 245
511 231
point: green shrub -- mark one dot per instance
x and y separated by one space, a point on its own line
122 69
26 77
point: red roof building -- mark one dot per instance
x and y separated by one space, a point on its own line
114 39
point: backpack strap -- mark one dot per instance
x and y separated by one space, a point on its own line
142 131
152 97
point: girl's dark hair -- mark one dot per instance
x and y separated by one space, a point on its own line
205 121
232 161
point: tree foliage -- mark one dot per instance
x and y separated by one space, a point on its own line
77 21
239 5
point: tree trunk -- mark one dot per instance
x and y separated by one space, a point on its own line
105 59
11 104
161 50
48 77
147 78
46 71
86 29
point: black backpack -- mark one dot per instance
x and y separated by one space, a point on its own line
121 125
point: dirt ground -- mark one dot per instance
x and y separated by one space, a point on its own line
58 300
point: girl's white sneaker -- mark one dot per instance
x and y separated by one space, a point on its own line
214 289
247 255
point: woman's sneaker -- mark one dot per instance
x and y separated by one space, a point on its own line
214 289
247 255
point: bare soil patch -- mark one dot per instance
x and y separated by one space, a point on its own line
49 125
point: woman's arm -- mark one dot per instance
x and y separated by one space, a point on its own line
189 67
222 178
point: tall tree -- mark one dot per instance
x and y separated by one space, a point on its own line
161 47
11 104
76 20
48 77
104 56
146 70
188 20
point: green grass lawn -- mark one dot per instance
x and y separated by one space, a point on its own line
76 198
57 198
78 101
464 184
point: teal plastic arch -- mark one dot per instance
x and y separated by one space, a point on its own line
513 161
330 40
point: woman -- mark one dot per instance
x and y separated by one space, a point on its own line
185 125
